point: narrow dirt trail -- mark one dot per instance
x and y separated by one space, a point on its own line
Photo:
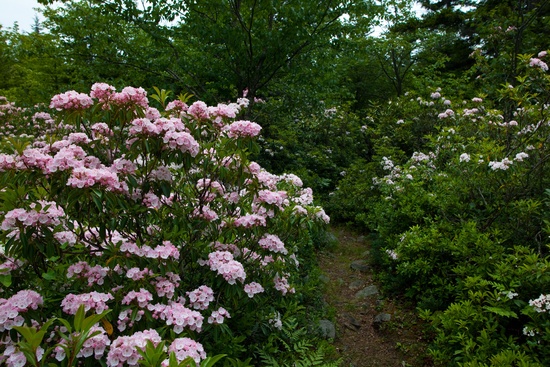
371 330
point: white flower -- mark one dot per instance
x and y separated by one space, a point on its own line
464 157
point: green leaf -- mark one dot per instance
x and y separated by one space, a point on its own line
49 275
5 280
210 361
501 311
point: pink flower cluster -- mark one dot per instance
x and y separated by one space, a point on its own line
142 298
502 165
199 110
278 198
95 345
178 315
273 243
210 188
124 349
9 265
218 317
48 215
541 304
101 130
167 286
130 96
11 308
183 141
535 62
223 263
165 251
71 100
281 284
205 213
137 274
446 114
241 129
15 358
65 237
201 297
253 288
128 317
85 177
102 91
250 220
161 174
177 106
184 348
82 270
305 197
91 301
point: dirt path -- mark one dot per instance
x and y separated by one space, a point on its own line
354 297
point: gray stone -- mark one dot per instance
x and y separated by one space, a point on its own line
381 318
371 290
324 279
327 329
360 265
356 284
351 322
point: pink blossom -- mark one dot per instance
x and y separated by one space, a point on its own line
152 113
502 165
250 220
49 215
11 308
82 270
253 288
131 96
166 286
521 156
143 126
277 198
177 106
184 348
71 100
137 274
142 298
161 173
84 177
226 266
239 129
205 213
101 130
178 316
182 141
217 317
93 300
94 345
225 111
272 243
199 110
15 358
102 91
124 349
464 157
10 264
281 284
201 297
535 62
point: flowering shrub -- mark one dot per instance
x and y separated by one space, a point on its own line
457 197
154 222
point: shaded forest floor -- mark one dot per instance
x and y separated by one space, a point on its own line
371 330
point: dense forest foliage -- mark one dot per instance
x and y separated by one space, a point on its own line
423 123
